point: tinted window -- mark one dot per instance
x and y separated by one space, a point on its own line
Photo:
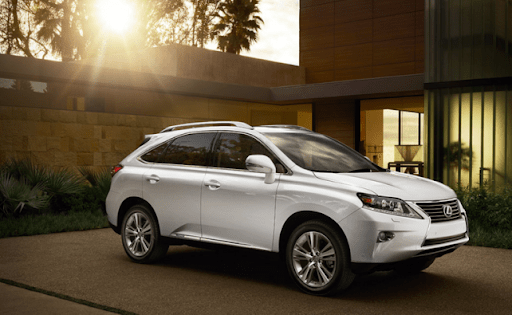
153 155
189 150
319 153
233 149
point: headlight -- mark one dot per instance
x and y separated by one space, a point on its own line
388 205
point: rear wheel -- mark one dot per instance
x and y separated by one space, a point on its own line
141 235
317 259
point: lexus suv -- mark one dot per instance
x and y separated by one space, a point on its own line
327 210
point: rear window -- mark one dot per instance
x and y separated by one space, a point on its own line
190 149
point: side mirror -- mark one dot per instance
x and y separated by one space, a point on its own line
262 164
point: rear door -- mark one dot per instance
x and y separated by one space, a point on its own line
173 184
237 206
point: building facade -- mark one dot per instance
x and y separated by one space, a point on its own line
468 92
423 83
464 51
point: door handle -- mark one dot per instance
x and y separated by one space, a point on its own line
153 179
213 184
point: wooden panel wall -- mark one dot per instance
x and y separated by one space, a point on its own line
337 120
357 39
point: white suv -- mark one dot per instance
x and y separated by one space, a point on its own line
329 211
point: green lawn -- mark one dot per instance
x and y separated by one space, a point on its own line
52 223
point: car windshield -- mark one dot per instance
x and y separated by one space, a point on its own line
319 153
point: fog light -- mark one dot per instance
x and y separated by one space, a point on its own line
385 236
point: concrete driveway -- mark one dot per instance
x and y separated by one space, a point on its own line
92 266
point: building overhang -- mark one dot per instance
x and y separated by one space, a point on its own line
15 67
404 85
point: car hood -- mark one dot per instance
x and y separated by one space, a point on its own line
393 184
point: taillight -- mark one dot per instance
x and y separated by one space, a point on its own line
116 169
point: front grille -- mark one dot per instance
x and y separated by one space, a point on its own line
436 212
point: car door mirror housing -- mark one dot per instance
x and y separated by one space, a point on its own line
262 164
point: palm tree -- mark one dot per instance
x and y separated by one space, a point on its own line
238 25
60 27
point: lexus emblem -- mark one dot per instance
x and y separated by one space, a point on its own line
447 210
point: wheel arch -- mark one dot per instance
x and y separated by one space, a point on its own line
303 216
126 205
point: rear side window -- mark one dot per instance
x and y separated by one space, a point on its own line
153 155
189 150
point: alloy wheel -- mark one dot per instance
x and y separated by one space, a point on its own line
314 259
138 234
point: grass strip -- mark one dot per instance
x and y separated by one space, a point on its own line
495 238
52 223
67 297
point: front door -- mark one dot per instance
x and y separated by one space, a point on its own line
237 207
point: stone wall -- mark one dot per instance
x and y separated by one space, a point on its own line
66 138
69 138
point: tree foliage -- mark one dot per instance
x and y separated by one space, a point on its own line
18 29
72 29
238 25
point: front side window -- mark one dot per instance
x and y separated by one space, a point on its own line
189 150
233 149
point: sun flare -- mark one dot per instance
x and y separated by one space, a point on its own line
116 15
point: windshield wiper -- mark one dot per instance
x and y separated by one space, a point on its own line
364 170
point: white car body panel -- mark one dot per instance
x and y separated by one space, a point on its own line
124 185
179 210
393 184
240 210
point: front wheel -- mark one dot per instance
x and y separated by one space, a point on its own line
141 236
317 258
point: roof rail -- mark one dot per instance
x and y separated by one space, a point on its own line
207 124
294 127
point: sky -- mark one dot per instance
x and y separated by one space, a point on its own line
279 35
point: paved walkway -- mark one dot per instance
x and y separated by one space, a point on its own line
14 300
92 266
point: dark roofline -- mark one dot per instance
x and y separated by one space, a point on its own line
77 73
355 89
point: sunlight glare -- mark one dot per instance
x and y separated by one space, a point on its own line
116 15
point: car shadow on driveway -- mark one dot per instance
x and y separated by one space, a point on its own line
256 266
435 289
268 268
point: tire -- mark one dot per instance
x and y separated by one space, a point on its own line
318 259
414 266
141 236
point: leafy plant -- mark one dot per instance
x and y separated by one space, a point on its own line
452 152
54 184
491 210
16 194
99 181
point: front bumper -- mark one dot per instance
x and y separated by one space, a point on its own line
412 237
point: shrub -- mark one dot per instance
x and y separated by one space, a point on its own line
17 195
55 183
492 210
34 188
99 184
